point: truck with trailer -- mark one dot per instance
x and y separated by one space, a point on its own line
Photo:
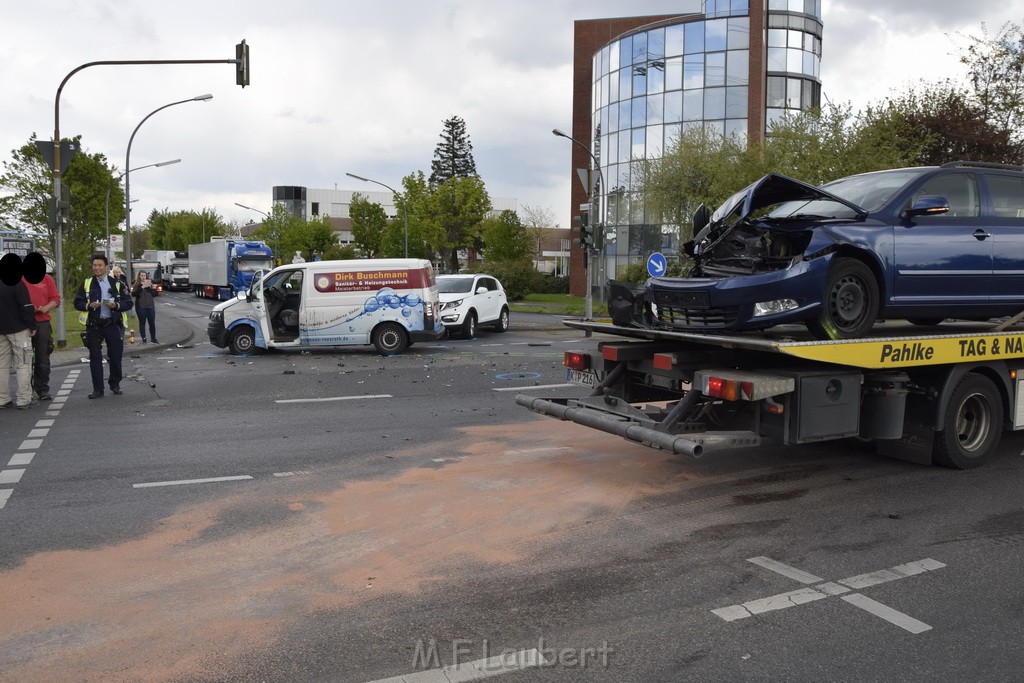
172 273
943 397
221 268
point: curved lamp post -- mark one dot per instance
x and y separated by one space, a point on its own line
117 180
405 212
127 180
593 194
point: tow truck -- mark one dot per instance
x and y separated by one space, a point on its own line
941 394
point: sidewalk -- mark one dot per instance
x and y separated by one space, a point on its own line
172 331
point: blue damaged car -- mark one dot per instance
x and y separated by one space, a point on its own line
923 244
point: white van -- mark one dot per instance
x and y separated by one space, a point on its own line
389 303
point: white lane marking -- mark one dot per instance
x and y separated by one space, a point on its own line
540 449
4 495
532 387
888 613
29 444
38 433
63 392
475 670
44 423
21 459
180 482
331 398
11 476
830 588
291 474
785 570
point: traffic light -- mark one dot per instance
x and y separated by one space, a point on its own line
586 238
242 64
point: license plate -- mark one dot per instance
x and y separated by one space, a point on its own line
584 378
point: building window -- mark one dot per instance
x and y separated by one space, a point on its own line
316 208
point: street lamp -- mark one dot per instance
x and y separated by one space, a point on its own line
111 186
593 194
127 179
277 235
405 212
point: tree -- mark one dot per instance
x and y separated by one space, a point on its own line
453 156
538 222
995 70
26 186
506 238
282 231
368 224
320 237
458 207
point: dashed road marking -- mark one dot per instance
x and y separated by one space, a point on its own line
475 670
829 589
181 482
532 387
331 398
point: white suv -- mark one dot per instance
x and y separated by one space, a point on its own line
471 300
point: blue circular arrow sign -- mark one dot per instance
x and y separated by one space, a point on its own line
656 264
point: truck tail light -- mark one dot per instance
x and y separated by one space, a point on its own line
576 361
729 389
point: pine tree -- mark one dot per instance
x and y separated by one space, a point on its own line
453 157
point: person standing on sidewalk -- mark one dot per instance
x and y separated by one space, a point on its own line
145 307
104 300
45 297
17 327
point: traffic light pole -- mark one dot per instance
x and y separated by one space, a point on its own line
241 62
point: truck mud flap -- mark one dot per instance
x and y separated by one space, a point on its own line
622 425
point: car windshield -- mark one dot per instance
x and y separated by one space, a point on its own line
454 285
873 190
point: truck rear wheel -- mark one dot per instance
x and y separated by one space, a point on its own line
390 339
972 424
242 341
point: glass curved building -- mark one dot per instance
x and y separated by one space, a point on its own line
733 68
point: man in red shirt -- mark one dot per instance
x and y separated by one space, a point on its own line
45 298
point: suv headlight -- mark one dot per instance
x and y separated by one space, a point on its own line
449 305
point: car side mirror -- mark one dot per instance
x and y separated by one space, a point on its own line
481 290
929 205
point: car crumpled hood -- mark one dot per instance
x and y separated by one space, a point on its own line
771 189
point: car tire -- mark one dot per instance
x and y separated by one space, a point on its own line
502 323
971 425
469 326
849 304
390 339
242 340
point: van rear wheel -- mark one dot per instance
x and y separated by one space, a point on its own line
390 339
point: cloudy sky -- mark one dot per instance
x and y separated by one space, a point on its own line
340 86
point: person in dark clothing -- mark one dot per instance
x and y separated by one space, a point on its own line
45 298
103 300
17 327
145 308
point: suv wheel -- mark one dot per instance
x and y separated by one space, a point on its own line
469 326
501 325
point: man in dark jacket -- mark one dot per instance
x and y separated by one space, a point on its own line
17 326
104 300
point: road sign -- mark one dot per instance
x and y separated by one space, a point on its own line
22 246
657 264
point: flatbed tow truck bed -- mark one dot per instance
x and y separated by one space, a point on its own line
928 394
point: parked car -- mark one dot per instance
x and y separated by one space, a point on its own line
922 244
470 300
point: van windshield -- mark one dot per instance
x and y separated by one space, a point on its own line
454 285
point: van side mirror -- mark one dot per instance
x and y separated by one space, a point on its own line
928 205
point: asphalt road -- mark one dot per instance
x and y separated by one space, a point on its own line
343 516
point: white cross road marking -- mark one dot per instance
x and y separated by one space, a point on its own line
331 398
829 588
11 476
4 495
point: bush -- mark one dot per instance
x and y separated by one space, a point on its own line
637 274
519 278
552 284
